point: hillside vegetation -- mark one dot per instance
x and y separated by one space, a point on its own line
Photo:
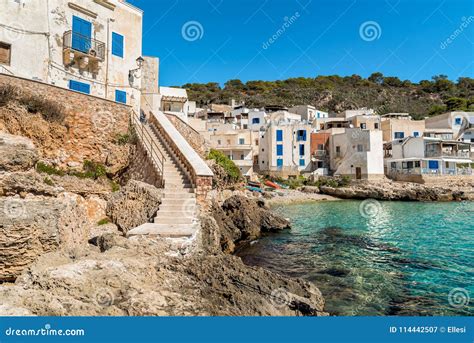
335 93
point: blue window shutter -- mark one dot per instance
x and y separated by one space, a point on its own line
301 149
81 34
121 96
302 162
117 44
79 87
280 162
279 135
279 150
399 135
304 135
433 164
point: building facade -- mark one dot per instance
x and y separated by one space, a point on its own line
93 47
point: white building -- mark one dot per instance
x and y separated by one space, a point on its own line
308 112
256 119
174 101
92 47
360 112
424 156
356 153
285 148
456 122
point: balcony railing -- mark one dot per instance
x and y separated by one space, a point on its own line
461 154
86 45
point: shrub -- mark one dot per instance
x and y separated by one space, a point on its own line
48 181
7 93
115 186
123 139
103 221
50 111
94 170
230 168
42 167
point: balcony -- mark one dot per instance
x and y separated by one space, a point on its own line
243 163
82 51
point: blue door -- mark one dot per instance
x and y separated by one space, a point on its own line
81 34
433 164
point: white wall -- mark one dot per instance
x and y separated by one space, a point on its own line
35 56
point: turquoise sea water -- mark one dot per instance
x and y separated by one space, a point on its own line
377 258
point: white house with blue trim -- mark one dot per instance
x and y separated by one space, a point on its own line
426 156
284 148
455 121
92 47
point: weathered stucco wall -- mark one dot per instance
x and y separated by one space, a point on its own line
89 132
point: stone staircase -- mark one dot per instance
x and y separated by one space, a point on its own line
177 214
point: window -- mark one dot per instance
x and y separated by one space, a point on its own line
5 53
242 157
301 149
279 135
416 134
302 162
417 164
376 126
301 136
117 44
407 165
338 151
433 164
360 148
255 120
458 121
363 126
79 87
81 34
393 165
241 141
399 135
219 142
245 126
320 147
121 96
280 150
280 162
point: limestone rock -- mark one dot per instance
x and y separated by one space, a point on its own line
33 226
16 153
243 219
134 205
135 277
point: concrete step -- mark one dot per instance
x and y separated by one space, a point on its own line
163 230
174 221
170 194
178 201
178 187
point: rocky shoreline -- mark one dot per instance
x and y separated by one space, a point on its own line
65 252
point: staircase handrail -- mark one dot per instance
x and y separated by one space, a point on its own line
148 141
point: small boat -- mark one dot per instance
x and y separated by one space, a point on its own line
272 184
254 189
282 185
254 184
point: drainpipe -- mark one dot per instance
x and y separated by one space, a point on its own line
109 20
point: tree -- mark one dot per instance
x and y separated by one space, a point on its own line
234 85
392 81
376 78
441 83
456 104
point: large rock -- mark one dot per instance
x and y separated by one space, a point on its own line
242 219
36 225
16 153
405 191
137 277
134 205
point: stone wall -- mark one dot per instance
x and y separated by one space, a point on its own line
140 168
89 131
198 142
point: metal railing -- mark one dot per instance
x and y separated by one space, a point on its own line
146 138
462 154
86 45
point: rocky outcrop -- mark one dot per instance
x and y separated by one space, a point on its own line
16 153
388 190
33 226
137 277
242 219
134 205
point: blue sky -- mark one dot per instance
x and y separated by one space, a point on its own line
405 38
